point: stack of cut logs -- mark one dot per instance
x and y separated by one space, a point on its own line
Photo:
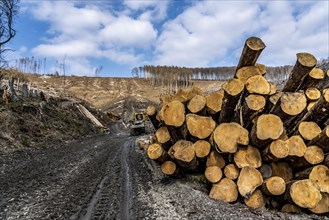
252 143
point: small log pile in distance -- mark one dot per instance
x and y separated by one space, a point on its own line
253 143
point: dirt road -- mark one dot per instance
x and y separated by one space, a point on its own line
105 177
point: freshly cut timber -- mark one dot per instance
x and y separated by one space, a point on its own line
227 136
308 130
282 169
173 114
184 153
202 148
320 175
323 206
310 105
169 168
289 106
277 150
231 171
193 91
290 208
247 157
271 101
200 126
151 112
253 47
273 89
157 153
248 180
256 200
163 137
312 94
197 105
226 191
274 186
246 72
252 107
304 193
258 85
165 99
214 102
268 127
322 140
232 91
304 65
297 146
215 159
313 155
312 79
213 174
261 67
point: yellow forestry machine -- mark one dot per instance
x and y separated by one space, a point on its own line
138 124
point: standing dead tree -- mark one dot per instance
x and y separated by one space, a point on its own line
8 12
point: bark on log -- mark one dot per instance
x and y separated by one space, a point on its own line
215 159
290 208
246 72
248 180
274 186
277 150
252 107
258 85
227 136
323 206
256 200
297 146
247 157
202 149
199 126
197 105
312 79
169 168
322 140
304 65
232 92
253 47
267 128
289 106
184 153
271 101
213 174
266 171
157 153
226 191
282 169
231 171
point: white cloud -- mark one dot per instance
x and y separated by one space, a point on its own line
153 10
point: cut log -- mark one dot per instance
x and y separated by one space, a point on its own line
227 136
202 148
273 89
313 155
165 99
267 128
232 91
213 174
253 47
184 153
323 206
261 67
248 180
271 101
252 107
304 193
151 112
214 103
173 114
326 160
312 94
246 72
266 171
282 169
308 130
169 168
157 153
312 79
304 65
199 126
197 105
258 85
256 200
231 171
163 137
325 82
297 146
289 106
277 150
274 186
215 159
320 175
290 208
247 157
322 140
226 191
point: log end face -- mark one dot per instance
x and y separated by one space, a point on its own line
255 43
269 126
200 126
173 114
306 59
248 180
305 193
233 87
168 168
293 103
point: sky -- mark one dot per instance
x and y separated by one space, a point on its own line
121 34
